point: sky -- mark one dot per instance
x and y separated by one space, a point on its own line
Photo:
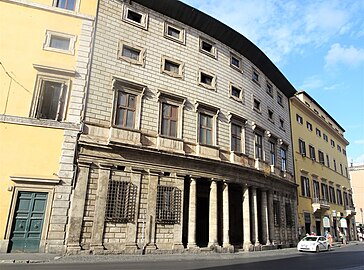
317 44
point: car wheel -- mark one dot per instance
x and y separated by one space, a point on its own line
317 249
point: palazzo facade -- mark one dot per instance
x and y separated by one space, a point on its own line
186 141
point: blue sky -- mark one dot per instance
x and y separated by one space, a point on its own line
318 45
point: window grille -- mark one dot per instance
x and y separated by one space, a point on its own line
289 216
168 205
121 200
276 213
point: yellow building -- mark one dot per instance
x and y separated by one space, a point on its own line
357 175
321 168
45 48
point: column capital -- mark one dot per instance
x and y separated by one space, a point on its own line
105 166
84 163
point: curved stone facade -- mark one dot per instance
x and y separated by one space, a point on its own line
186 142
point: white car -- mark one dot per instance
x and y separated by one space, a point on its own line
313 243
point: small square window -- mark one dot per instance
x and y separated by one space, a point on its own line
256 105
236 93
208 47
59 42
135 17
172 67
235 62
207 80
270 89
309 126
131 53
65 4
299 119
280 99
174 33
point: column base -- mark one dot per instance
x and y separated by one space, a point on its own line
212 244
248 246
178 246
257 244
227 247
97 249
73 249
192 246
131 248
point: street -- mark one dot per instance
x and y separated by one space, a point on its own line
349 257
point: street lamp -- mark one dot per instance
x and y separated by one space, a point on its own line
361 210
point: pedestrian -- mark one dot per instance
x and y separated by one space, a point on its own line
329 237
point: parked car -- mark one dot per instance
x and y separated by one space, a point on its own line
313 243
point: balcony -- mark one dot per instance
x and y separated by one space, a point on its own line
349 211
320 206
124 136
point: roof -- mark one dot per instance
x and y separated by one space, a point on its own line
223 33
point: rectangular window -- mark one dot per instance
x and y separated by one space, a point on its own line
309 126
339 197
346 200
236 93
339 148
256 104
172 67
341 169
207 80
66 4
59 42
270 115
51 101
235 61
302 147
318 132
344 152
272 148
316 190
276 213
131 53
346 171
289 216
332 143
324 192
305 187
328 161
332 197
335 165
169 200
169 120
325 137
321 157
312 152
258 146
135 17
299 119
236 140
206 129
174 33
208 47
281 123
62 43
270 89
284 159
121 201
125 110
255 76
280 99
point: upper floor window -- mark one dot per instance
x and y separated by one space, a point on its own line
135 17
332 143
270 115
332 197
66 4
305 187
280 99
272 152
236 93
50 98
276 213
339 148
318 132
269 89
206 124
258 146
172 67
299 119
174 33
127 104
339 197
255 76
235 62
344 152
281 123
316 189
59 42
283 158
169 120
312 152
236 138
325 137
324 192
328 161
208 47
309 126
207 80
256 105
302 147
206 129
341 169
321 157
131 53
335 168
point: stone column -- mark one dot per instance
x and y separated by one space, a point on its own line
131 227
151 210
225 212
177 230
213 215
255 213
264 212
271 217
192 215
246 219
77 209
96 245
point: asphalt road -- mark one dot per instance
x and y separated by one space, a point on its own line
348 258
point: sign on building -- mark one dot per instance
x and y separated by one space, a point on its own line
326 222
343 223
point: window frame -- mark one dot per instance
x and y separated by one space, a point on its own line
182 35
255 76
332 195
302 147
271 113
283 150
75 8
281 124
241 95
47 42
238 68
143 24
269 86
213 52
280 99
272 153
240 122
180 65
305 186
212 112
299 119
321 157
276 213
130 87
312 152
142 52
259 102
258 148
309 126
205 85
339 198
37 99
172 204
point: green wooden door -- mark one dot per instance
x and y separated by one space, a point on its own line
28 222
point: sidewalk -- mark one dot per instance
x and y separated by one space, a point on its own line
24 258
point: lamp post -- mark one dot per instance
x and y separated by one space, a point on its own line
361 210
